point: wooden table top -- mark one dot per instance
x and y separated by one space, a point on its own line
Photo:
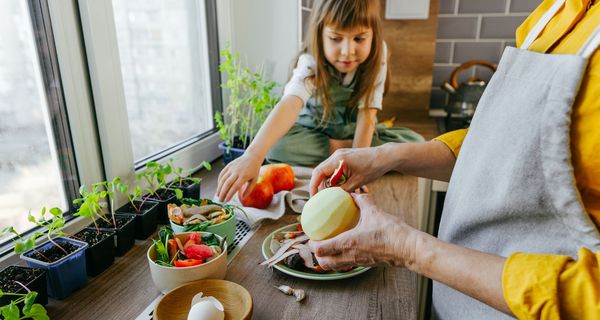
125 289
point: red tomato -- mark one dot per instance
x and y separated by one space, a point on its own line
198 251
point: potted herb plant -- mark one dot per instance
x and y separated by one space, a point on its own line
21 305
250 101
145 211
155 176
63 258
189 186
100 253
123 224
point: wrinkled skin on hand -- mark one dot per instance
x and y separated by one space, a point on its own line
379 238
362 166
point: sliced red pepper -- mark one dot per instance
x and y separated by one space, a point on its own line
299 227
187 263
338 177
172 248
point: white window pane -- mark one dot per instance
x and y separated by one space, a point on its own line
29 171
164 61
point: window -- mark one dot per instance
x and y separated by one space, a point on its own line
154 75
165 69
37 167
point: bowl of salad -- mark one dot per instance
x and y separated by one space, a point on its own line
203 215
176 259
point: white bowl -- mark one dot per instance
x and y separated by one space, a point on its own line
168 278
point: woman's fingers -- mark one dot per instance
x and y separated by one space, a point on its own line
322 173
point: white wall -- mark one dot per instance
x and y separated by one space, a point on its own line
265 32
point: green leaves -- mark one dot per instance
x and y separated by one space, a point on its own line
31 310
250 100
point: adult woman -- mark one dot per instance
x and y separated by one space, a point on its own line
526 180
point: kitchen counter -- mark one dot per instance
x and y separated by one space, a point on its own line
126 288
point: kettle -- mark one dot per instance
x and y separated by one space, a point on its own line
464 97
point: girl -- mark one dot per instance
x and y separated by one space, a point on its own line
331 100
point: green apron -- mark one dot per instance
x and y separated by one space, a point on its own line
307 142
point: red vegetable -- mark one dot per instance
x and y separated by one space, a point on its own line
193 239
198 251
172 248
187 263
338 177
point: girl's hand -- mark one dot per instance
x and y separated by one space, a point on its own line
379 238
362 166
237 173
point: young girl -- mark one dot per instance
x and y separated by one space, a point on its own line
331 100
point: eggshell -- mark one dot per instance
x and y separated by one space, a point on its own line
207 308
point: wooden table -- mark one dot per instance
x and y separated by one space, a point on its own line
125 289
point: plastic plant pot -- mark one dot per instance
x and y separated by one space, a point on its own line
145 220
99 255
124 233
37 283
168 197
191 190
64 275
231 154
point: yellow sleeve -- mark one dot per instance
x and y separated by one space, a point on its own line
453 139
537 286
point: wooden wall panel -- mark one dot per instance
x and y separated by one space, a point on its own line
412 44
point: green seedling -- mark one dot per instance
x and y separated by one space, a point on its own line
250 101
30 310
90 205
52 228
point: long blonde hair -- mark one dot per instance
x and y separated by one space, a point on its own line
344 15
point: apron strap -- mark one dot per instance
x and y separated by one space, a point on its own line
541 24
590 46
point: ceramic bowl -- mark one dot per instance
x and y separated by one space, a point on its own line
167 278
224 229
176 304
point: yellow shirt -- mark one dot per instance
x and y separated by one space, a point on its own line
550 286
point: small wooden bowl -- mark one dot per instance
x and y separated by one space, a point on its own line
176 304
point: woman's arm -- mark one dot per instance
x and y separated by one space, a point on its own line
245 168
365 126
380 238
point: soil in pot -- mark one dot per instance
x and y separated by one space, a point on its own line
145 217
54 253
34 279
125 231
163 197
100 253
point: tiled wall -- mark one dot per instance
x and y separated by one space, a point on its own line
473 29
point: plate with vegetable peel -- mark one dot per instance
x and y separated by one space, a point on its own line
294 257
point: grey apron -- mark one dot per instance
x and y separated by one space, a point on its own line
513 188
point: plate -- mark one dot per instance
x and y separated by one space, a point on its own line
332 275
176 304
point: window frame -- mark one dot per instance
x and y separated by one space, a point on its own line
101 45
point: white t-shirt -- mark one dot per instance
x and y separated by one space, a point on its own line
297 86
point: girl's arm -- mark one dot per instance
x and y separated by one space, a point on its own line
365 126
245 168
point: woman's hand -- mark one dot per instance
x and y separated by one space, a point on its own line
379 238
361 167
237 173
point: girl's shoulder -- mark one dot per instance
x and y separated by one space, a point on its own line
306 62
